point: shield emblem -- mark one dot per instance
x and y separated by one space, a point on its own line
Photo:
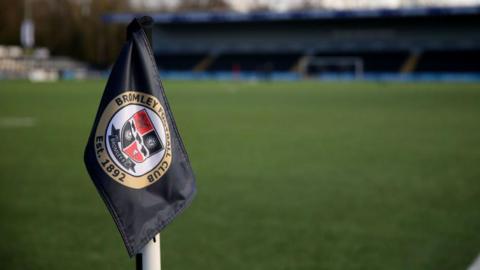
139 138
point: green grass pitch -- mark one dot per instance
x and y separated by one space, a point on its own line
291 175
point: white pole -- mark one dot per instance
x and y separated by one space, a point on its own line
151 255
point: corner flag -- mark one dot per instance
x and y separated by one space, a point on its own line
134 154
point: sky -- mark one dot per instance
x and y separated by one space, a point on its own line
282 5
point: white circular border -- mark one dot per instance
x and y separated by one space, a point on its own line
99 141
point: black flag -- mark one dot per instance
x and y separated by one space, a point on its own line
135 155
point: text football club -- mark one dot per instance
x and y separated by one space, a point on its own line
132 140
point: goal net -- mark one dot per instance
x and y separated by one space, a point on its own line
318 65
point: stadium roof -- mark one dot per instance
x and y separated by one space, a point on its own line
221 17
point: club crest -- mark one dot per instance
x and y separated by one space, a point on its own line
133 140
139 139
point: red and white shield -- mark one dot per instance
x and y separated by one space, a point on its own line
139 138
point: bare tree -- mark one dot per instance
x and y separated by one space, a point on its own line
203 5
10 21
306 5
409 3
260 6
68 27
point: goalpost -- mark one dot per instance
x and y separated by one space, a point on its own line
353 64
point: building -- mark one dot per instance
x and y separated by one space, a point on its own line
318 43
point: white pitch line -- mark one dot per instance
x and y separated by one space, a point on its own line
475 265
17 122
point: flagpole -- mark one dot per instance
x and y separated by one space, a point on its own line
149 257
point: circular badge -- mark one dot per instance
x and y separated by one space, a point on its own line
132 140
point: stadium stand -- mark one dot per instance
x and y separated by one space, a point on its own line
255 61
401 42
177 61
37 65
450 61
